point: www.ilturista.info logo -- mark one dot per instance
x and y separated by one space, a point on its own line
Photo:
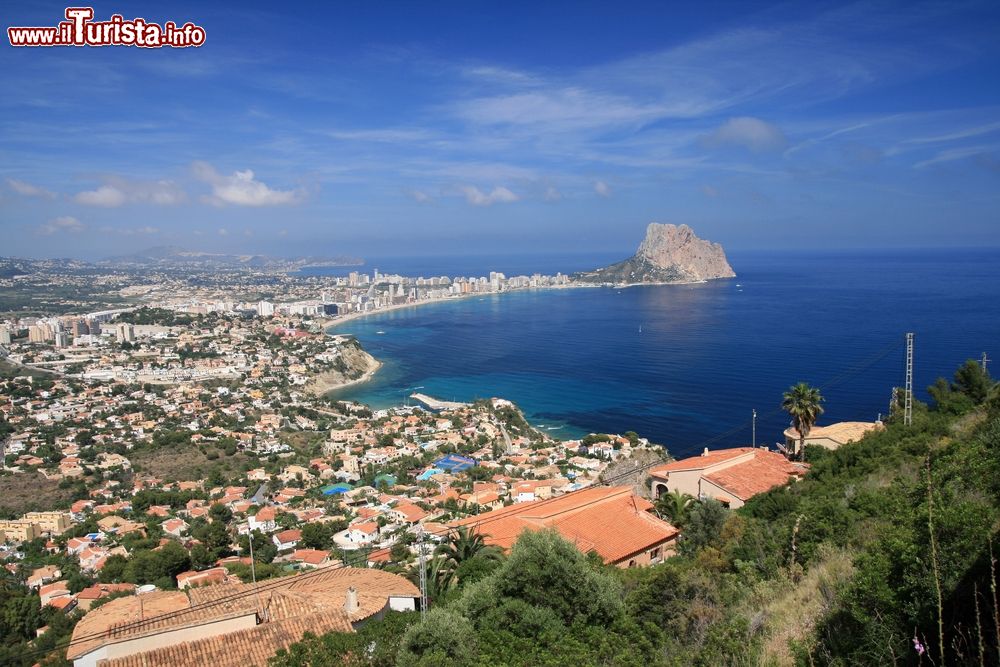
81 30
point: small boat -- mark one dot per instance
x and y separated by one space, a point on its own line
380 332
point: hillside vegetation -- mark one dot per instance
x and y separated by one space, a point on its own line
881 555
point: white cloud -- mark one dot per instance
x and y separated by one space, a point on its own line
223 232
65 223
709 191
551 194
241 188
29 190
602 188
106 195
499 195
747 132
118 190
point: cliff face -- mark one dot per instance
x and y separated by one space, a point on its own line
668 254
354 365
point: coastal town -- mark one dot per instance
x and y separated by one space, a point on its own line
191 440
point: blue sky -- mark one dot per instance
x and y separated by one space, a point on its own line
385 129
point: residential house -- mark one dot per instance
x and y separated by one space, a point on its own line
192 630
611 521
287 539
731 476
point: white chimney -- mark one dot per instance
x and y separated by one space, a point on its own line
351 602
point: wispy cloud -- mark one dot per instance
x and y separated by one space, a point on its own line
118 190
64 223
29 190
747 132
602 188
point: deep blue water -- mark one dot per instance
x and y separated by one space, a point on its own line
706 354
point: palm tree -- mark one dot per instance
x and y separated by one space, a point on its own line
674 507
802 402
463 544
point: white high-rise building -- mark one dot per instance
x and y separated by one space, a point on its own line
265 309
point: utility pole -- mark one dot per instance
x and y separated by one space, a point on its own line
985 361
755 429
908 407
423 574
253 565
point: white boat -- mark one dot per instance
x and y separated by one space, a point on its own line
380 332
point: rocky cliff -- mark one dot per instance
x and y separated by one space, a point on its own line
354 365
668 254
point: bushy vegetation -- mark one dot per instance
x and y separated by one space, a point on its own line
883 554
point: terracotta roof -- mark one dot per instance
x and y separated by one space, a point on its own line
612 521
102 590
702 461
311 556
841 432
266 514
290 535
294 605
764 472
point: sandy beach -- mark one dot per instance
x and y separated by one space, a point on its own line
331 323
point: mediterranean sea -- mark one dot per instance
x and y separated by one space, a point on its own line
685 365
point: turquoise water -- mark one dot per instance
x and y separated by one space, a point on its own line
686 364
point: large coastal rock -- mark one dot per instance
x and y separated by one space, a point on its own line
668 254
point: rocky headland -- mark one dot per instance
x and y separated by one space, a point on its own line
668 254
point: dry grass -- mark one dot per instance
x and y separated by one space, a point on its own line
27 492
790 610
186 463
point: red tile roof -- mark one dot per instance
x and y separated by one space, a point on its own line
762 473
313 602
702 461
612 521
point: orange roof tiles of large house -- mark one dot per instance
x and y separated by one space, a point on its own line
762 473
295 605
290 535
702 461
266 514
612 521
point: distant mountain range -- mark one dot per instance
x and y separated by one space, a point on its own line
165 257
668 254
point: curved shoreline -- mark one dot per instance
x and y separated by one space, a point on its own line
329 325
